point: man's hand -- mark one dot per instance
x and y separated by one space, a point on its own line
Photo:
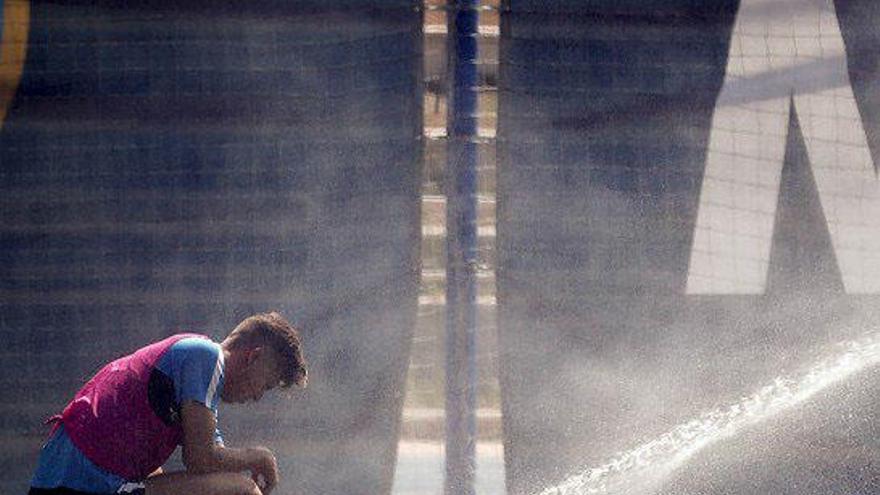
201 455
264 469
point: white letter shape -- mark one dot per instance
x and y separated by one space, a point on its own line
784 51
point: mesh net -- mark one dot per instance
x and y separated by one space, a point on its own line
684 200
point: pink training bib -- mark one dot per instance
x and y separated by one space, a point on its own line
110 419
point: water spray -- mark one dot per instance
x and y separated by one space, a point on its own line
645 468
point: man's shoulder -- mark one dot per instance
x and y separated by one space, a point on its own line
194 342
195 365
192 348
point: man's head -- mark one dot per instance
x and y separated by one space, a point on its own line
263 352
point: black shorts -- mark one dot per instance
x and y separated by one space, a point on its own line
127 489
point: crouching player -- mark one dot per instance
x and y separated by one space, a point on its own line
122 425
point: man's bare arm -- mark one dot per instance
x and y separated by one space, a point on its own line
202 455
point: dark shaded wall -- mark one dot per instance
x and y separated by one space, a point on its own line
172 166
604 116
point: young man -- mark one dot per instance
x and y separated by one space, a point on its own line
122 425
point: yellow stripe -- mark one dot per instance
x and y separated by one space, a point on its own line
13 49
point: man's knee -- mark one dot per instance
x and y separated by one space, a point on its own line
242 485
247 486
213 484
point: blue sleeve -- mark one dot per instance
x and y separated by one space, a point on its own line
196 367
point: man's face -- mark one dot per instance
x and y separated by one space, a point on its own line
255 372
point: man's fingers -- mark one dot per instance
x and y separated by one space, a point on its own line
266 477
269 485
271 481
264 471
272 472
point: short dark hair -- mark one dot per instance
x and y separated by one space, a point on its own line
272 330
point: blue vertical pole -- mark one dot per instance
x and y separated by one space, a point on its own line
461 234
